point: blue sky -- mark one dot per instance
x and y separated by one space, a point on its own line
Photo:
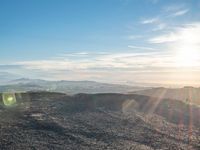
140 40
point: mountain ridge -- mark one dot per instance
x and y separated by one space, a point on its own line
70 87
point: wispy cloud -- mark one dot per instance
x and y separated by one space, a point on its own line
165 38
111 61
186 33
184 42
176 10
141 47
180 13
156 22
150 20
133 66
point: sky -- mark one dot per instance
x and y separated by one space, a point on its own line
115 41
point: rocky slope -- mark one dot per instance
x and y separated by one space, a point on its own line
186 94
97 121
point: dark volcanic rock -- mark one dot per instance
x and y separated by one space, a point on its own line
43 120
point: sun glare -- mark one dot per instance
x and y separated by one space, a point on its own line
9 99
187 58
187 51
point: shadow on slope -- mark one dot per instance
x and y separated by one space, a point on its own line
172 110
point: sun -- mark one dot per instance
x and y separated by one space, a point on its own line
187 56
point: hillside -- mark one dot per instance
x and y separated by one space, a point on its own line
186 94
43 120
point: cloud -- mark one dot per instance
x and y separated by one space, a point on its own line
184 42
176 10
141 47
150 20
162 22
121 66
180 13
9 66
109 62
170 37
156 22
188 33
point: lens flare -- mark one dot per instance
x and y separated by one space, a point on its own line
9 99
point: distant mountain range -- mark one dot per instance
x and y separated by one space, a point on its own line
5 77
70 87
187 94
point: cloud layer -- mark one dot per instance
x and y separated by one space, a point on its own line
160 47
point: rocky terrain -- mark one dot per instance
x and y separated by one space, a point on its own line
187 94
43 120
